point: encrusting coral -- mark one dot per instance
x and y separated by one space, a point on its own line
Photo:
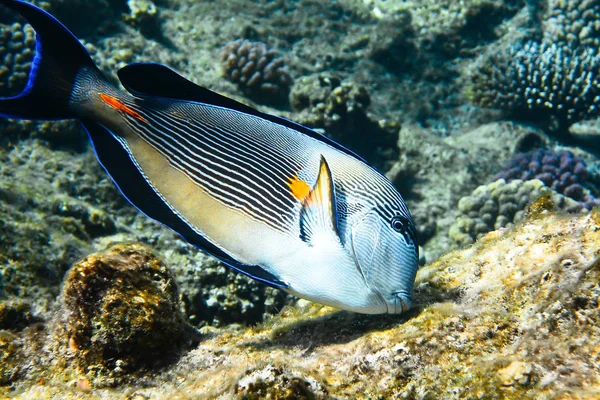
259 71
498 205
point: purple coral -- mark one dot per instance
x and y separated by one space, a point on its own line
560 170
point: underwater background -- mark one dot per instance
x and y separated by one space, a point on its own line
484 114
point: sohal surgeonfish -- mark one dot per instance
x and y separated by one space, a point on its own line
266 196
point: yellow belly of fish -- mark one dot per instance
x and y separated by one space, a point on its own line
245 239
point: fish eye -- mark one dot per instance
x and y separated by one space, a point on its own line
397 224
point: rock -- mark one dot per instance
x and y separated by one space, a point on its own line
119 312
517 372
15 314
513 316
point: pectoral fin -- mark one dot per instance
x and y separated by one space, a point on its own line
318 216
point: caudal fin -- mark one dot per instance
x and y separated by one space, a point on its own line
59 59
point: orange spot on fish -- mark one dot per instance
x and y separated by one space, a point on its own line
299 188
118 105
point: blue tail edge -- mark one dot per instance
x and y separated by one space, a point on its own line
59 59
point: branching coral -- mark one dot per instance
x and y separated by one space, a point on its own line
573 23
555 82
554 76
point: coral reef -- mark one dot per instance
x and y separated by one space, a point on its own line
17 48
15 315
572 23
555 82
119 312
53 205
278 383
512 317
340 108
560 170
142 14
215 295
10 358
433 173
553 74
333 105
447 27
499 205
259 71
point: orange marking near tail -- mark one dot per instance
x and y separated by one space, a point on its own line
118 105
299 188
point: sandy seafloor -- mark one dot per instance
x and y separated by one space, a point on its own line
438 95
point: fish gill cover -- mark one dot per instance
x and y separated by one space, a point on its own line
482 113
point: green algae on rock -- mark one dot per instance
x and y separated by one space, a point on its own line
119 312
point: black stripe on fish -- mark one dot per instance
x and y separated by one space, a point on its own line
152 79
249 166
115 157
222 177
255 157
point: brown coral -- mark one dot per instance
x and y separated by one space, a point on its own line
120 312
16 53
260 72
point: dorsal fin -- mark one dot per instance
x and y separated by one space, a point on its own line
318 216
152 79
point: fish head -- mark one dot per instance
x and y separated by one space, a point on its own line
385 251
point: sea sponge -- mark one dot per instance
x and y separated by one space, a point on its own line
499 205
17 49
555 82
120 312
258 71
560 170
